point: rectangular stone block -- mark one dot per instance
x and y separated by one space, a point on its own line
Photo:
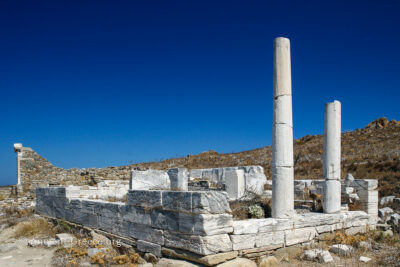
178 178
137 215
315 219
164 219
75 204
89 206
235 183
212 224
145 246
243 241
56 191
246 226
210 202
270 239
301 235
177 201
106 223
365 184
356 230
271 225
202 245
146 233
145 199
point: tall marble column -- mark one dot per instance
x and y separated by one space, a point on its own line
282 136
18 150
331 157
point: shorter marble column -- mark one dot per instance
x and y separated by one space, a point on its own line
332 157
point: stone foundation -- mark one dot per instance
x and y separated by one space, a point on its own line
195 225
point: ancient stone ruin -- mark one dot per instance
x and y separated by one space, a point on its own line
186 213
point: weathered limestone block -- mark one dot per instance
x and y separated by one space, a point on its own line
205 224
272 239
145 199
196 174
235 183
365 184
91 220
145 246
315 219
143 232
178 178
255 178
354 218
301 235
136 215
210 202
271 224
202 245
177 201
341 249
249 226
243 241
166 220
149 179
89 206
326 228
106 223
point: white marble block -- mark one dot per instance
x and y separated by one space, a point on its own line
282 133
178 178
235 183
149 179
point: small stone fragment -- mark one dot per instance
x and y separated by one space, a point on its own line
365 259
340 249
325 257
311 254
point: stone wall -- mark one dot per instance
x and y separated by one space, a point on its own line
195 224
37 171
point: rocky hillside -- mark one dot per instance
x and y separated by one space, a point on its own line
372 152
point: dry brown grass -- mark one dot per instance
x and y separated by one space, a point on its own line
2 197
34 227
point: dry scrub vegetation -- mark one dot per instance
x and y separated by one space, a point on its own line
37 227
369 153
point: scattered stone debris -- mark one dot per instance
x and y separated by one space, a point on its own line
325 257
386 200
52 242
364 259
383 212
341 250
65 239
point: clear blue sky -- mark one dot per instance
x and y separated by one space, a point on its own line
103 83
